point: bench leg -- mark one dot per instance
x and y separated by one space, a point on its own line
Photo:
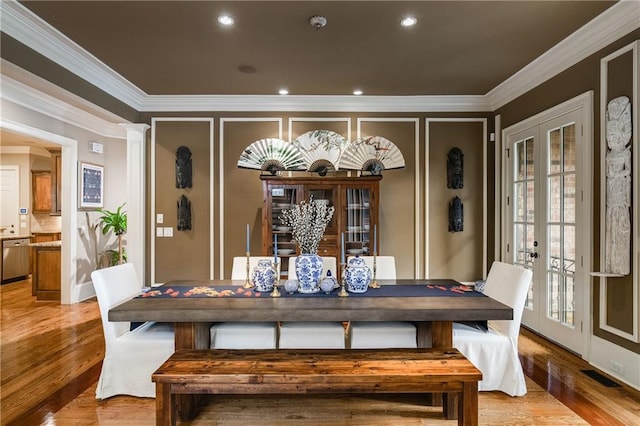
450 404
468 405
165 405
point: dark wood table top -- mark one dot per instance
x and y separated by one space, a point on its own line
440 308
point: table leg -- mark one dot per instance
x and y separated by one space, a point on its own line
439 334
190 335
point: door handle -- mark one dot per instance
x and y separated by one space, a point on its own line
533 255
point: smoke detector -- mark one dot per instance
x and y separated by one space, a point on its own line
318 21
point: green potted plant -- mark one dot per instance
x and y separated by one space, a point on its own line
116 222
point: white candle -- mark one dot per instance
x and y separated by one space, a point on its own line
275 248
342 250
375 238
248 245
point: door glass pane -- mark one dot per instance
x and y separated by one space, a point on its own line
519 201
570 198
569 249
520 244
569 147
531 201
553 291
520 160
555 154
530 159
555 201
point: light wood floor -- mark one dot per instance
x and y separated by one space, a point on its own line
51 358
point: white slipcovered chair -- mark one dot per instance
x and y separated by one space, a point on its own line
385 266
312 335
495 352
130 356
375 334
244 335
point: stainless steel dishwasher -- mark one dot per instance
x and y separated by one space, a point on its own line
15 258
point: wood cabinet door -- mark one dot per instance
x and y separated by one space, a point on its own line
41 192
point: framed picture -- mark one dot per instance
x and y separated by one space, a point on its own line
91 186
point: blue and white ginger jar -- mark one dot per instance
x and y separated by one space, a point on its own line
357 276
264 276
309 271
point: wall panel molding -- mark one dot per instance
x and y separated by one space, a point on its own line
605 283
223 121
428 121
416 189
152 186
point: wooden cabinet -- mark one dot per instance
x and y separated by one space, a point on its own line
356 213
46 276
40 237
56 181
41 191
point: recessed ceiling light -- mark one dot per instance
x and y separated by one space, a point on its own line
283 91
226 20
357 92
409 21
247 69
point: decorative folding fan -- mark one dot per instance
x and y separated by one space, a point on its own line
272 155
321 150
372 154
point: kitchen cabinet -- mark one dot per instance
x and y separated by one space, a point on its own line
46 275
41 191
56 181
40 237
356 203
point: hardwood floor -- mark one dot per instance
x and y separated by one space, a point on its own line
51 359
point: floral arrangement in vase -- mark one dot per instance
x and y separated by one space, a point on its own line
308 220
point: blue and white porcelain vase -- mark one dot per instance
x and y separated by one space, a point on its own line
357 276
309 272
264 276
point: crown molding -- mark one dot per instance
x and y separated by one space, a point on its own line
32 31
26 96
317 103
611 25
26 27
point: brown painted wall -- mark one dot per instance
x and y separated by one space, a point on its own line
579 79
242 192
186 254
455 254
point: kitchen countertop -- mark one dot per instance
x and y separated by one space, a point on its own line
57 243
13 237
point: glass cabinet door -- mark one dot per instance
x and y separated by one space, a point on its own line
328 195
325 195
358 222
282 198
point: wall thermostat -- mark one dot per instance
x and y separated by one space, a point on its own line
23 210
96 147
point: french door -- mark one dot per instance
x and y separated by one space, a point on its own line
544 201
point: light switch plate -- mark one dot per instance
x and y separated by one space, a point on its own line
159 218
160 232
168 231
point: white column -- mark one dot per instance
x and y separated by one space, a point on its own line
136 184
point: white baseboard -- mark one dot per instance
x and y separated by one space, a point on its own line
85 291
603 353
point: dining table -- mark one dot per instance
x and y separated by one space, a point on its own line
195 305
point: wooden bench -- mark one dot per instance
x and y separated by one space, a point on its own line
316 371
